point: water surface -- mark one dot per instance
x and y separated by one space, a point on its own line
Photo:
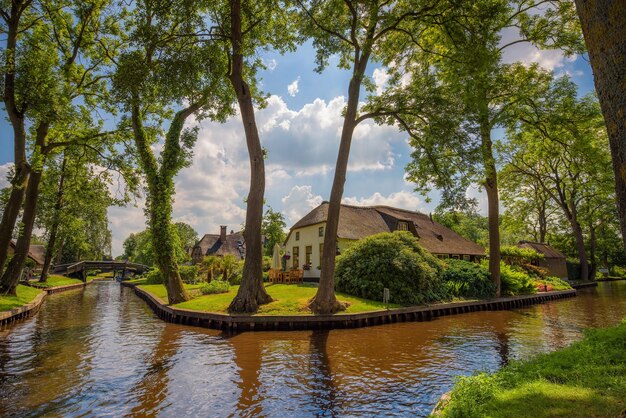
100 351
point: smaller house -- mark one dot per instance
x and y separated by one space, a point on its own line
36 253
219 245
554 261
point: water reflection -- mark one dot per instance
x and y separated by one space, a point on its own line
101 351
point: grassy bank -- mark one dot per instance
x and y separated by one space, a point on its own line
25 295
587 379
288 299
56 280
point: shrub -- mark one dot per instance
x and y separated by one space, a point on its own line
515 255
390 260
535 272
215 286
188 274
154 276
466 279
515 281
618 271
555 283
267 263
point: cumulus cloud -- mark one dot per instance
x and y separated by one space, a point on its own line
293 88
299 202
401 199
527 53
5 169
271 64
380 77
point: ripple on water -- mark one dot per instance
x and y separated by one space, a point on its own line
100 351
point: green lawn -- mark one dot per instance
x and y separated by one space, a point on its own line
587 379
56 280
25 294
288 299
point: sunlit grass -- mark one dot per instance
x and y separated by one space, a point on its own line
55 280
587 379
289 299
25 294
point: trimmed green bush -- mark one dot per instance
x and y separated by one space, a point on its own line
515 281
466 279
215 286
188 274
154 276
394 261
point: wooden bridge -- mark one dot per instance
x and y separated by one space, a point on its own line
80 269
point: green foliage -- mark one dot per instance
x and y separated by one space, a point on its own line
469 225
394 261
555 282
468 280
618 271
573 269
534 272
267 263
515 281
583 380
188 274
273 227
215 286
154 276
138 246
516 255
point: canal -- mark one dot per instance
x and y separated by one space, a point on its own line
101 352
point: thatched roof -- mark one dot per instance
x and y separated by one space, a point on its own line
357 222
542 248
212 244
37 253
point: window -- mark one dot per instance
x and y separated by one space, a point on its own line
466 257
296 256
321 231
455 256
403 226
308 252
321 252
297 235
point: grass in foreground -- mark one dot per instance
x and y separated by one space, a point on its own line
288 299
587 379
25 294
56 280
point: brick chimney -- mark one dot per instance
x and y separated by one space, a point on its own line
223 233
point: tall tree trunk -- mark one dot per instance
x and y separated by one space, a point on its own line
603 23
58 204
11 276
491 187
593 243
16 117
580 243
325 301
251 293
543 221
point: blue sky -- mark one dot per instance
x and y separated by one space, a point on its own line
300 128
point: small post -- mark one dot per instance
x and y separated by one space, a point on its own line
386 298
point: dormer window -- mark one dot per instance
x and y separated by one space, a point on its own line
403 226
321 231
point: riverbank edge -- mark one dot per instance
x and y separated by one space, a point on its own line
22 312
59 289
584 285
356 320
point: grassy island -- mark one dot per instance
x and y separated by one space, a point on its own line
55 280
587 379
25 295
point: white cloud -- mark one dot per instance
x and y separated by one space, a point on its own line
299 202
401 199
526 53
271 64
5 169
380 77
293 88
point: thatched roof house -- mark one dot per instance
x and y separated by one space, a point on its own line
554 261
219 245
37 253
356 222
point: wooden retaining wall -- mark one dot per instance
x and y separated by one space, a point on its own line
8 318
364 319
585 285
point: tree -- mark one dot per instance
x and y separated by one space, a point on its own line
560 143
460 91
248 27
273 228
168 72
138 247
602 24
353 30
56 74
